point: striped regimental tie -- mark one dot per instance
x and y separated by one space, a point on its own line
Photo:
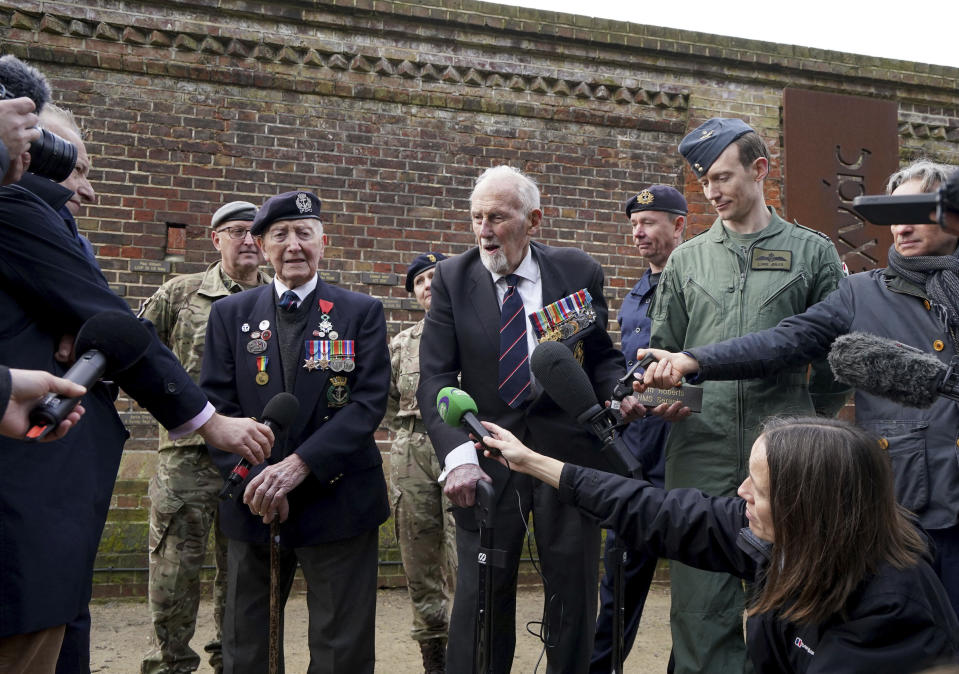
513 352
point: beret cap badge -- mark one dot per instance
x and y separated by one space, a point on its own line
645 197
303 203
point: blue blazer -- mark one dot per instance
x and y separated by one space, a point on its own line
345 493
54 497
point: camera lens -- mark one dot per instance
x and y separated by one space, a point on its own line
52 157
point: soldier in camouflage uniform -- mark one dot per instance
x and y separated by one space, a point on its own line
183 493
425 531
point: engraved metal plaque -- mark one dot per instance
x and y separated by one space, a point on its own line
837 148
161 266
380 278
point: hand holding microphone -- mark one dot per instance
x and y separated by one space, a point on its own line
27 388
278 415
457 408
109 342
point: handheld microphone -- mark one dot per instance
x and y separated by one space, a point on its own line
278 414
457 408
568 385
109 341
889 369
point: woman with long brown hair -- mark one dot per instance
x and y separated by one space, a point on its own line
842 581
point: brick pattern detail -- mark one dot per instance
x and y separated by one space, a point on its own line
389 110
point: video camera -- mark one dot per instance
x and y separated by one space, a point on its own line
911 209
50 156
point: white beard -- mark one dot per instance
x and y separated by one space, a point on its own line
495 262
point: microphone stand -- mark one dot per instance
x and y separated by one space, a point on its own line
615 450
487 558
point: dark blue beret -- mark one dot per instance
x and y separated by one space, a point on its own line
295 205
658 198
703 145
420 264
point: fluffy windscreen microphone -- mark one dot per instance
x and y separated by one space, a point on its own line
892 370
18 79
109 342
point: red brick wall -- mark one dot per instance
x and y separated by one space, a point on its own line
388 110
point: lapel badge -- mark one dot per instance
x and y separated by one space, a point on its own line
245 327
256 346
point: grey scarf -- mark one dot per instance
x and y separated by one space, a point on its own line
938 274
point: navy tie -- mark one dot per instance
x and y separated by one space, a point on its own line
513 352
289 301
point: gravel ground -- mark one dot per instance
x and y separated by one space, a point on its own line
121 635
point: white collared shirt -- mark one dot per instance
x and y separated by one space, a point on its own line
302 291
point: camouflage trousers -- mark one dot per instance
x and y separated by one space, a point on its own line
425 531
183 496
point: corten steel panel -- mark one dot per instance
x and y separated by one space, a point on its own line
837 148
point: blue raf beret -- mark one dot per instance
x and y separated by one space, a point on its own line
657 198
703 145
295 205
420 264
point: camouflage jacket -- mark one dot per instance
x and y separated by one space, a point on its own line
404 375
179 309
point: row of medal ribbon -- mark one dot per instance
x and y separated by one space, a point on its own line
321 354
564 318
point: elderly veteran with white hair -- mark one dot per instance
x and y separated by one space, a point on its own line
324 485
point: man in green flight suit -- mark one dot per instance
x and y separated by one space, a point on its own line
747 272
183 493
425 531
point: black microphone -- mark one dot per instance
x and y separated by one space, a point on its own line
892 370
110 341
278 414
568 385
456 407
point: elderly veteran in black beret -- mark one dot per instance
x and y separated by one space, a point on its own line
327 346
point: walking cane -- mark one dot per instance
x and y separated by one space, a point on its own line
274 638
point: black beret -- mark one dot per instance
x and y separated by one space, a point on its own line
658 198
295 205
704 144
420 264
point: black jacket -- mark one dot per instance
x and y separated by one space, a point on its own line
896 621
54 497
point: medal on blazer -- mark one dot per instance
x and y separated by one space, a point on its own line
338 394
326 325
564 318
262 378
256 346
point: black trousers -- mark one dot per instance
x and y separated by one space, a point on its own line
568 548
341 600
